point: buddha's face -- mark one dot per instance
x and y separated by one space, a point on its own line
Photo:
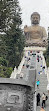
35 19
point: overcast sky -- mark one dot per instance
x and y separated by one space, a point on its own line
30 6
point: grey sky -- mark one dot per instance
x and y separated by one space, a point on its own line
40 6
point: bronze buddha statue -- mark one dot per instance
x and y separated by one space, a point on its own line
35 34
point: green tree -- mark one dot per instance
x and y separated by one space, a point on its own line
13 42
46 53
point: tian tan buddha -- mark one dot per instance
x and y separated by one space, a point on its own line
35 35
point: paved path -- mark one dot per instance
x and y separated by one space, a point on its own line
43 88
42 77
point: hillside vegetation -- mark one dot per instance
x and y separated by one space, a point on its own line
12 37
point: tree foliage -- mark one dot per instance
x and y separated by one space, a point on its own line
12 42
9 9
46 53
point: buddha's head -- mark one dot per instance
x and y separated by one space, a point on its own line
35 18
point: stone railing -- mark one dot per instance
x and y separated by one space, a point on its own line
46 69
44 64
34 102
46 72
20 66
17 70
14 73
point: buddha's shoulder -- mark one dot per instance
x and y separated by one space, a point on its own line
36 26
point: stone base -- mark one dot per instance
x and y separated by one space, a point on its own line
36 44
34 48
